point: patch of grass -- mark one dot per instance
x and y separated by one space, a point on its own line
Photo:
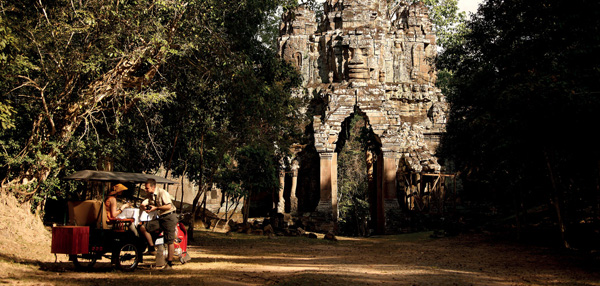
208 239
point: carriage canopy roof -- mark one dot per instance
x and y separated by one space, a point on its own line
121 177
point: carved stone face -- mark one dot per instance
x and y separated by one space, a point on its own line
360 55
358 69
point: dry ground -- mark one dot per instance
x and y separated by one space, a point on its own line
412 259
218 259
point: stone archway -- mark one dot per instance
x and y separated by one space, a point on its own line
385 171
359 162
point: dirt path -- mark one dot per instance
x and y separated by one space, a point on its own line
413 259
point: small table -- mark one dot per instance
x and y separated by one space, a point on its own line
133 213
137 215
144 216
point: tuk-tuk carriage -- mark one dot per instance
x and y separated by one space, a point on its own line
89 236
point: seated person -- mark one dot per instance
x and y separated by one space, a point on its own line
111 207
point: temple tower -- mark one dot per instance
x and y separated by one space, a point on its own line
377 58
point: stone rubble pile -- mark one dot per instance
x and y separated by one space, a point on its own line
267 229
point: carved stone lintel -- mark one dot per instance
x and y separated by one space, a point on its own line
326 155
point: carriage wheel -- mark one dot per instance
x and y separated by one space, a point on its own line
84 261
127 257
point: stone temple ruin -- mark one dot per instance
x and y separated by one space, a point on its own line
365 55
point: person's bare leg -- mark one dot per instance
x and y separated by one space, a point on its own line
133 229
171 252
148 237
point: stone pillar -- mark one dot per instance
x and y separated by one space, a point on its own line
390 167
328 198
334 187
293 198
380 211
372 177
281 200
388 182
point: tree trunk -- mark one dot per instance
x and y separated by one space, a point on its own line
182 189
557 202
195 210
246 207
171 157
200 191
597 204
518 215
223 200
226 207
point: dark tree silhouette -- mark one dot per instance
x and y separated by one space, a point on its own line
524 100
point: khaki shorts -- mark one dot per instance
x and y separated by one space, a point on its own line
152 225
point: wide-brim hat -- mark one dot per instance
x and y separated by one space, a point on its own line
117 189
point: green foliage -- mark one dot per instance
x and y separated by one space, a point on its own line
6 116
523 94
71 71
353 183
231 91
133 85
448 22
257 168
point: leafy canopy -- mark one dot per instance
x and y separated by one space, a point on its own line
133 85
523 97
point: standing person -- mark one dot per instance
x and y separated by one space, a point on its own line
159 199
